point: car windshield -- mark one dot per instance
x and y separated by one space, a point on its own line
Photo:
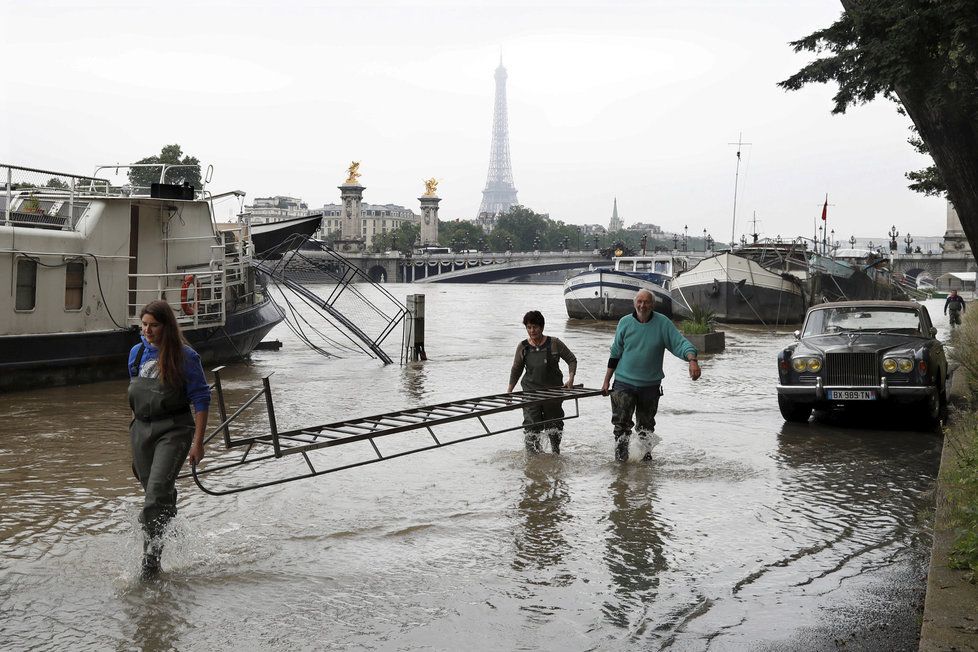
862 318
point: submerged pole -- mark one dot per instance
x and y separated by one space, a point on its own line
415 325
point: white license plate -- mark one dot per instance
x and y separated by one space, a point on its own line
851 395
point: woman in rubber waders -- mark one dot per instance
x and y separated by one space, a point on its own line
165 380
539 357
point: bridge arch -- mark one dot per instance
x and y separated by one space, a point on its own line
378 274
914 272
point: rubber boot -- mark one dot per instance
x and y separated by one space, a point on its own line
532 441
555 438
152 551
150 568
621 448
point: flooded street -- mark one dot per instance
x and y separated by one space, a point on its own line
743 532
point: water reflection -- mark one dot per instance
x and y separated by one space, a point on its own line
634 544
413 377
154 611
540 541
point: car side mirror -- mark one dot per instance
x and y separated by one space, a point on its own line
933 332
797 335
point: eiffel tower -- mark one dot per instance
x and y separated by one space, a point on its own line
500 193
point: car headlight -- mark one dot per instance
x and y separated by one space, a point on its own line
903 365
812 364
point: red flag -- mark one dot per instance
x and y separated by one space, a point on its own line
825 208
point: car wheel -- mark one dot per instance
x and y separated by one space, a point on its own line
794 412
931 412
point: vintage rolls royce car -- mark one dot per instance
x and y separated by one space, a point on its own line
864 352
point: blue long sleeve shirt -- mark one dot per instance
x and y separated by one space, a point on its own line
195 385
638 349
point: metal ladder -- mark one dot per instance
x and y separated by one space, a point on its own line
265 449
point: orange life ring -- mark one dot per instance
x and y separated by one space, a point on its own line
189 307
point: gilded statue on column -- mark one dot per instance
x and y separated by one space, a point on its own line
353 173
430 186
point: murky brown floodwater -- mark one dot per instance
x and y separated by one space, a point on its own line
743 533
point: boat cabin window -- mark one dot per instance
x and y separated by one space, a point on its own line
26 284
661 267
74 282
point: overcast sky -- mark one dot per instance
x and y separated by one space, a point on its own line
634 100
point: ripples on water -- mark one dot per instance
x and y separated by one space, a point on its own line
743 532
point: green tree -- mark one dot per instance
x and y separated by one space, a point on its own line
524 226
459 234
169 155
502 240
406 236
923 55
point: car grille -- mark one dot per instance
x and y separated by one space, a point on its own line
852 369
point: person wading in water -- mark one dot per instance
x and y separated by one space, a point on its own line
641 340
540 357
165 380
955 304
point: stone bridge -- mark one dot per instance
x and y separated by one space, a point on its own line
468 267
934 264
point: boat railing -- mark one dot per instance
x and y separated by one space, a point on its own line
197 296
44 199
235 254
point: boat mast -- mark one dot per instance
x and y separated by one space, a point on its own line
733 227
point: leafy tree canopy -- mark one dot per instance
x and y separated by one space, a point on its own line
460 235
169 155
922 53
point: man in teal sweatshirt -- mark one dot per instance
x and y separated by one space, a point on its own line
636 363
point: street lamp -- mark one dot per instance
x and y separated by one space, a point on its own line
709 242
743 241
832 238
852 241
893 236
704 241
675 241
908 240
685 237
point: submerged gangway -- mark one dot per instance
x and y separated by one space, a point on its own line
273 450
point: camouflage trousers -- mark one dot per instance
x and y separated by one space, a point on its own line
640 404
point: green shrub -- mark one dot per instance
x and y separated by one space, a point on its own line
961 487
961 480
699 322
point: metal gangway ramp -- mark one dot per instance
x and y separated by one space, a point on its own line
274 449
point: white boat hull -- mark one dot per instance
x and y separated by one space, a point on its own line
739 290
607 294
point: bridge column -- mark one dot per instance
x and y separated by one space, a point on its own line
429 217
351 223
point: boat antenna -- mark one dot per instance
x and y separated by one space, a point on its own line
733 228
755 234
